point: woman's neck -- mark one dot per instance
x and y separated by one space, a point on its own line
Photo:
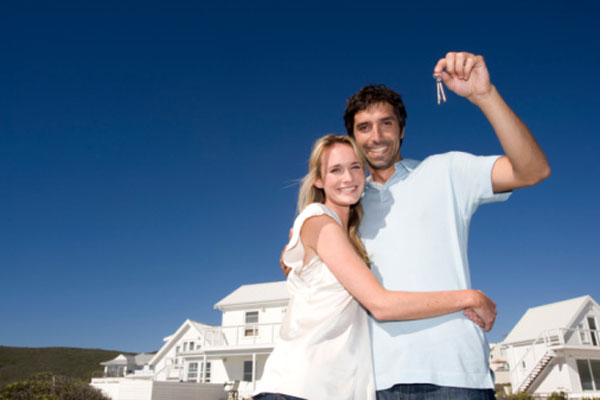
343 213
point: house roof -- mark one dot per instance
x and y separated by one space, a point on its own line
122 359
549 316
172 339
269 292
143 358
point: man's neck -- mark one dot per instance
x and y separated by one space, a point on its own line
382 175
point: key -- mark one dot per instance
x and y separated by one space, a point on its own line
441 96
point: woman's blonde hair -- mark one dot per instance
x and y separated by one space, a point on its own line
309 193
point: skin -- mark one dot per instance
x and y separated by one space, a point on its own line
343 180
465 74
378 132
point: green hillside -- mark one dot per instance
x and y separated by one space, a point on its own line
19 363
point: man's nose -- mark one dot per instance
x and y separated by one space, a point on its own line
377 133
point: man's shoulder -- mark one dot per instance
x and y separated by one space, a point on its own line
447 156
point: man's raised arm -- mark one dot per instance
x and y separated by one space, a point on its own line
525 163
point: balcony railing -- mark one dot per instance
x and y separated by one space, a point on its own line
240 336
549 340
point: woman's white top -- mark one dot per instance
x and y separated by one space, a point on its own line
324 350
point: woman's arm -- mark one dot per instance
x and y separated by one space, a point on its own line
324 236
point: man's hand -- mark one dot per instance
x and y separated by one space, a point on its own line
286 270
483 313
525 163
465 74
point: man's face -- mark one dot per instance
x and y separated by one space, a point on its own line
377 133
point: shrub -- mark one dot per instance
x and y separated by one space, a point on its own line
557 396
514 396
46 386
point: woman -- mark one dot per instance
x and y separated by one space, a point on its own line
324 351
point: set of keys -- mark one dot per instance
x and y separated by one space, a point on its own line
441 96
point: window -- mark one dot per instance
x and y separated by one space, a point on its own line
207 376
251 321
589 374
177 350
191 346
592 326
184 346
248 371
192 371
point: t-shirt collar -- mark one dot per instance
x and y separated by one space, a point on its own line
402 169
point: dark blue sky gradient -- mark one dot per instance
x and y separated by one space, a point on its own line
149 152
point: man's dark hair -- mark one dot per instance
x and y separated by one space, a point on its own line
368 96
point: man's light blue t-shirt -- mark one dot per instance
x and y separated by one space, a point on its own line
415 229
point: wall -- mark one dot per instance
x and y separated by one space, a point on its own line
133 389
556 379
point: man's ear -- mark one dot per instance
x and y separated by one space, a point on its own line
319 183
402 135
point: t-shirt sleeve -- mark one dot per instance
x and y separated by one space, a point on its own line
293 256
472 181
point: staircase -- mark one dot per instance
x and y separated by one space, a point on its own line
536 371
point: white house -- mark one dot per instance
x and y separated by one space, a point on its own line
198 355
234 351
499 364
556 347
123 365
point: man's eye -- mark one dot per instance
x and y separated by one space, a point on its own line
363 128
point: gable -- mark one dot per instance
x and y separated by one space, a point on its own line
562 314
188 325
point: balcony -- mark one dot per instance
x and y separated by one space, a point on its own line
544 348
240 336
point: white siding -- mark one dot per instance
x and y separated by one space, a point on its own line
132 389
557 378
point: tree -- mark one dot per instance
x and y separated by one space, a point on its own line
46 386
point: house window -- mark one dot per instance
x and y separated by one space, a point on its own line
594 334
248 371
589 374
191 346
251 318
192 371
207 376
177 350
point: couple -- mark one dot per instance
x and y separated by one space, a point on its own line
413 236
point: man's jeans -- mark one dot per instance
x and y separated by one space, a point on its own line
433 392
275 396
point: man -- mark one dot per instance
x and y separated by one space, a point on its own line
415 228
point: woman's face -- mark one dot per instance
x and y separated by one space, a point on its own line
343 177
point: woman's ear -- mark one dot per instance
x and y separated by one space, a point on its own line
319 183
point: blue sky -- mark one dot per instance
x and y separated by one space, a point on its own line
149 152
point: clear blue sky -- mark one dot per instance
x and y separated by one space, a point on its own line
149 151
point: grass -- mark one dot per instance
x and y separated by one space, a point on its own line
19 363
